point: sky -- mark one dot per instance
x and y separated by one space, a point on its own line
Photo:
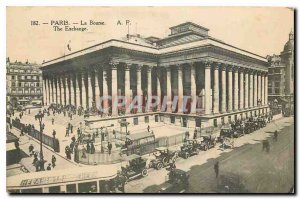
261 30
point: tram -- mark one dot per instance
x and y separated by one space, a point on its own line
89 179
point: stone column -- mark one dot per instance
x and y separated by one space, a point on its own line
216 88
68 90
63 78
158 89
241 89
49 90
105 90
207 88
97 89
224 108
255 89
44 92
193 89
251 90
246 89
114 89
127 88
58 89
230 91
83 90
139 84
149 86
77 91
52 90
180 89
90 90
73 95
169 90
262 89
236 90
266 89
259 86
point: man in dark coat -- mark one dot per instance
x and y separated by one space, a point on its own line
53 160
109 146
216 168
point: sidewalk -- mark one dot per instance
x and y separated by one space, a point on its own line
25 141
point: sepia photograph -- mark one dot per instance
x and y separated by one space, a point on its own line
124 100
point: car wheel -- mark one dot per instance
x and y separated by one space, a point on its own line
144 172
159 166
165 161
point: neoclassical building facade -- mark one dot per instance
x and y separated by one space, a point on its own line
223 83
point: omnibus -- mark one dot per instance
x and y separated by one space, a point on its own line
89 179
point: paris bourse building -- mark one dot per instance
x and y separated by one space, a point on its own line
226 82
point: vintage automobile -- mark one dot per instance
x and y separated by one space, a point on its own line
190 148
136 166
227 132
208 142
177 182
163 156
261 122
249 127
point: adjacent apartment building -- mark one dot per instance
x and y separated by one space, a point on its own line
281 76
23 83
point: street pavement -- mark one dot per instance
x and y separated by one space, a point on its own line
244 169
25 141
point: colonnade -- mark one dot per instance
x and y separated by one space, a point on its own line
225 88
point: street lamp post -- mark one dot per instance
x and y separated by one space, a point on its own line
40 116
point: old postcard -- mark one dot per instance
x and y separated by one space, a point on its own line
150 100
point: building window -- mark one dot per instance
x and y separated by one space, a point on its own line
172 119
215 123
20 84
222 121
13 84
235 117
12 77
37 84
135 121
229 119
277 90
156 118
146 119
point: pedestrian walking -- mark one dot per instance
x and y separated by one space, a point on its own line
52 121
109 146
53 160
216 168
67 132
78 132
49 167
71 127
148 128
92 148
275 135
35 159
195 134
31 147
88 147
54 133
